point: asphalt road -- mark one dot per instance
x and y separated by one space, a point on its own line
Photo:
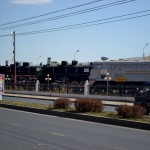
106 108
29 131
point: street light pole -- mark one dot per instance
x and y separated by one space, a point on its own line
107 78
48 79
75 53
143 51
7 79
14 52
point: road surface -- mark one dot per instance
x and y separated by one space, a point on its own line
29 131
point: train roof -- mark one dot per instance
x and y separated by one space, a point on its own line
122 61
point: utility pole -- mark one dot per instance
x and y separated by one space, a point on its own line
14 52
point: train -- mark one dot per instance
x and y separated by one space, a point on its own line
60 73
24 72
127 72
65 73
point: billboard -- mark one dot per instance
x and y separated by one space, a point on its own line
2 81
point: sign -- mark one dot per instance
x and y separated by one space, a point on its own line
2 79
86 69
120 79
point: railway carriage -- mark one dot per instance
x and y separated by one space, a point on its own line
121 71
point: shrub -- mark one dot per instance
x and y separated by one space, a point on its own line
96 105
62 103
127 111
88 105
138 111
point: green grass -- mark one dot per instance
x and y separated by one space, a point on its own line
104 114
24 104
50 107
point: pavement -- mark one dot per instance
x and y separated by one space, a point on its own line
52 98
107 100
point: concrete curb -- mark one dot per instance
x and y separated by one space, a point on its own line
104 120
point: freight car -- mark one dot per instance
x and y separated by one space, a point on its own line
121 71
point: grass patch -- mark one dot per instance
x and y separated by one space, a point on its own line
103 114
24 104
144 119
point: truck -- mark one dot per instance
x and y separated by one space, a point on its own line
143 97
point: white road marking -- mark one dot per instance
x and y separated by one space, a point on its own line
14 124
41 144
58 134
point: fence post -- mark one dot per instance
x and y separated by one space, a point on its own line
86 87
37 86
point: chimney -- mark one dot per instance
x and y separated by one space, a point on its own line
49 61
6 62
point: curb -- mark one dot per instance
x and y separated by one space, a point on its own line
97 119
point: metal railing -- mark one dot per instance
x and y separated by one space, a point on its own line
114 90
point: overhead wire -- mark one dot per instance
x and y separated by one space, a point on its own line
71 14
50 13
87 24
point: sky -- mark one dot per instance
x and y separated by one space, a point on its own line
66 30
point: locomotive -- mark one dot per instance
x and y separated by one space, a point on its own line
65 73
24 72
62 73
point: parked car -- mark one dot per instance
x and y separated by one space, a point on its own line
143 98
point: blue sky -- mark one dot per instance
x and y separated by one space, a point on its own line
122 39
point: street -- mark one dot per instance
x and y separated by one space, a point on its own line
24 130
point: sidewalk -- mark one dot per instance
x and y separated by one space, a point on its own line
53 98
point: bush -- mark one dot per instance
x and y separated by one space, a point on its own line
96 105
138 111
127 111
88 105
62 103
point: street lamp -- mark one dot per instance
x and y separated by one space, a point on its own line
48 79
107 78
7 79
143 51
75 53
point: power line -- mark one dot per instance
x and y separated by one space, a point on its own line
71 14
87 24
21 20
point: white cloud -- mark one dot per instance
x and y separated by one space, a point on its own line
28 2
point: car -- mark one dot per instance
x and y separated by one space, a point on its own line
143 98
